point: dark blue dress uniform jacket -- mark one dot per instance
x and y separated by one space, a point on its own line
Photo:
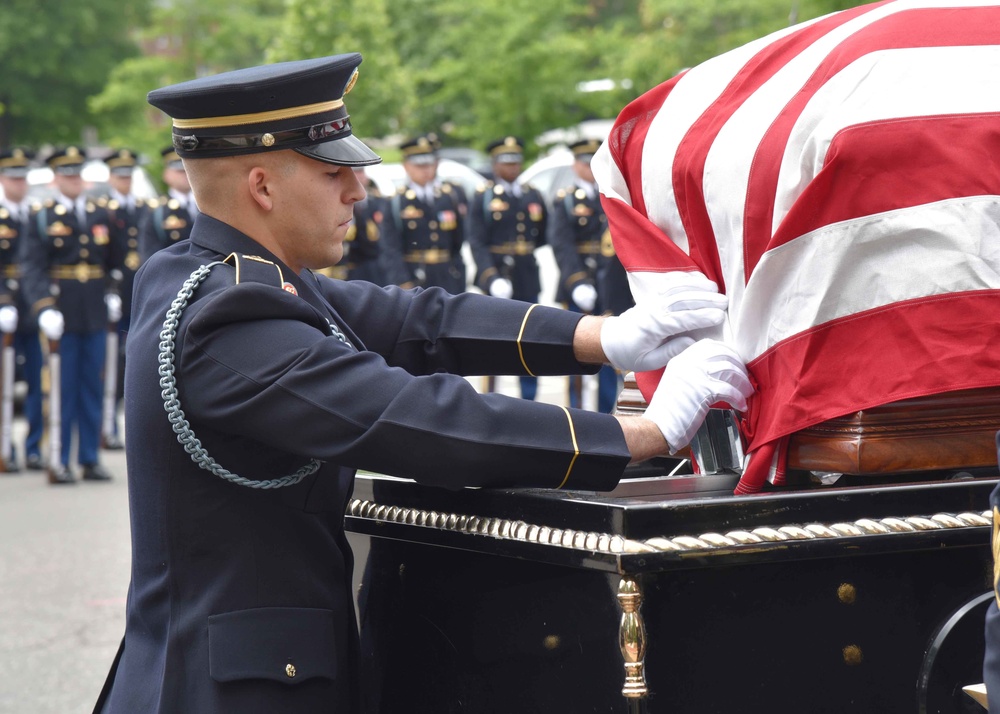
581 242
165 223
422 243
68 264
241 599
13 232
504 231
128 219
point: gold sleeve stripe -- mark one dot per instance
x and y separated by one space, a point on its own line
520 350
576 447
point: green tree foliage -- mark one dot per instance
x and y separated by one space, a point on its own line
54 55
384 95
182 39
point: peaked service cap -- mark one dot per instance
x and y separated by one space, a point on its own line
289 105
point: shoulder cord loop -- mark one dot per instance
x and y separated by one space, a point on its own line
172 405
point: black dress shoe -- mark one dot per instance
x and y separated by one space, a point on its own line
60 475
33 462
95 472
112 442
11 466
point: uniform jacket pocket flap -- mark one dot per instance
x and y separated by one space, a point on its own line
284 644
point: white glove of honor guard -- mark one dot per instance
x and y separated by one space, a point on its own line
585 297
51 324
114 304
501 288
8 319
647 336
705 373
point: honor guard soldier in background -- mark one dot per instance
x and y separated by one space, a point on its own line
362 245
127 214
69 257
283 382
15 313
170 219
506 223
589 279
424 228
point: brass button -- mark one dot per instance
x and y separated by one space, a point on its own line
84 239
84 252
290 670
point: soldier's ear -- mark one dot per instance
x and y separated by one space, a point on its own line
258 183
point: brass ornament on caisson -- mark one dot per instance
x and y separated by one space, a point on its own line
632 639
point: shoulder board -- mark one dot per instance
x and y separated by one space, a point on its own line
254 269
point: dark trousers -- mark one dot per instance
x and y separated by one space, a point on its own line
28 348
82 364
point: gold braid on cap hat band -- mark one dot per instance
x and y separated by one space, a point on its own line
259 117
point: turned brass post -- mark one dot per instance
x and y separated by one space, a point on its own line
632 639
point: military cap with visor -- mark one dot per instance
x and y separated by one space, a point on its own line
584 149
122 162
508 150
295 105
67 161
421 149
15 161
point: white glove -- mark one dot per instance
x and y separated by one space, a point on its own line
114 304
585 297
501 288
51 323
705 373
8 319
647 336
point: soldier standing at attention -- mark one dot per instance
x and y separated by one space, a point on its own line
362 245
71 251
424 229
241 598
171 218
506 223
578 233
127 214
15 313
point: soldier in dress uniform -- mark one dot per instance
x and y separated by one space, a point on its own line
71 251
591 279
281 382
362 245
127 213
424 228
170 220
15 313
506 224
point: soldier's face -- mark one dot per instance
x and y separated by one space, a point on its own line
315 204
176 179
121 184
70 186
420 174
583 170
15 189
507 171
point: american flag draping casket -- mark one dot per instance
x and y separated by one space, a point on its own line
840 181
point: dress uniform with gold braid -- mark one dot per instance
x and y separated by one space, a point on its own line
507 222
241 598
14 163
170 219
127 214
424 229
69 258
581 241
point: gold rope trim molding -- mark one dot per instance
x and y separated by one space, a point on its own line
607 543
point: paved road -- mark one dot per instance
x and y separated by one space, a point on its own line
64 565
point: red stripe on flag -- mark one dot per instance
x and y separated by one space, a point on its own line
931 27
641 246
689 163
898 164
909 349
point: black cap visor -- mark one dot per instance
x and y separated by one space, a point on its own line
347 151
